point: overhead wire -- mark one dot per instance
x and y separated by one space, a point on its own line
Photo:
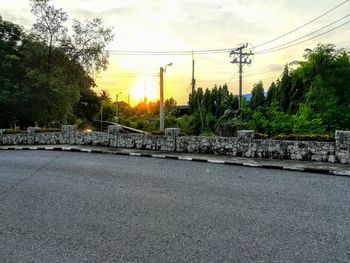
308 23
221 50
321 34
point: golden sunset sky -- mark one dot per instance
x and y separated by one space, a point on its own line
165 25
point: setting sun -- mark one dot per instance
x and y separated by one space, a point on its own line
145 87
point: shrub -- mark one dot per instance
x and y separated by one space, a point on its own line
300 137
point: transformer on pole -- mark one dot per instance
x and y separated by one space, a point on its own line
241 58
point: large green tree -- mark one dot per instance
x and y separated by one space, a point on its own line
45 75
328 97
258 97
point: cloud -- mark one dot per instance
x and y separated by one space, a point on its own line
16 16
196 24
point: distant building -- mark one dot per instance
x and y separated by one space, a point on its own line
181 110
249 96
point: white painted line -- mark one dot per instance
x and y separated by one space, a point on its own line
339 172
33 148
293 168
66 148
85 150
48 148
158 156
215 161
135 154
251 164
185 158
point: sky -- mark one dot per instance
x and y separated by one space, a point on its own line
169 25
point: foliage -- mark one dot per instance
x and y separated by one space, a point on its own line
314 98
310 137
258 98
45 80
45 75
14 131
207 107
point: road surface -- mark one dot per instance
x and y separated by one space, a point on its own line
84 207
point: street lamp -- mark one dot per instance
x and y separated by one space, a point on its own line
161 99
116 107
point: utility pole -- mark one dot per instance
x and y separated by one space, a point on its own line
129 98
193 82
161 97
241 58
101 115
116 107
161 101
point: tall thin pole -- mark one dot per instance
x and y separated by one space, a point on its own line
241 58
101 116
193 82
116 108
240 79
161 102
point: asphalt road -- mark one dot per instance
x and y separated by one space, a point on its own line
83 207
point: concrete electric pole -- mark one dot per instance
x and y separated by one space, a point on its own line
116 107
241 58
193 82
161 97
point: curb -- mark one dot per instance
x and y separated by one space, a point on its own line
174 157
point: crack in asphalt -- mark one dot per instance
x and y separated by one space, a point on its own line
13 187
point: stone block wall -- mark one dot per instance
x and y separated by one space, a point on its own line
144 142
201 144
244 145
292 150
342 146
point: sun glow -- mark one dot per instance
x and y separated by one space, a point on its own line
145 87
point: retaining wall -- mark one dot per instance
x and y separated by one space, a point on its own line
244 145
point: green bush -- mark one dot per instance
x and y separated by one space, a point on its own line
207 134
49 130
307 137
260 136
13 131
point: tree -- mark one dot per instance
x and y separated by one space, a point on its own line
271 94
105 96
329 93
169 105
87 45
49 26
283 89
258 97
36 89
11 71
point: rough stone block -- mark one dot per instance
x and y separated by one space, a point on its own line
342 139
2 131
33 129
342 146
245 135
114 128
172 132
331 159
69 128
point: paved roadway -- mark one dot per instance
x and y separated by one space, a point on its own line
83 207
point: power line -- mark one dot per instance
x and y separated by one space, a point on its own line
214 51
326 32
318 30
308 23
241 58
164 53
126 75
251 75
